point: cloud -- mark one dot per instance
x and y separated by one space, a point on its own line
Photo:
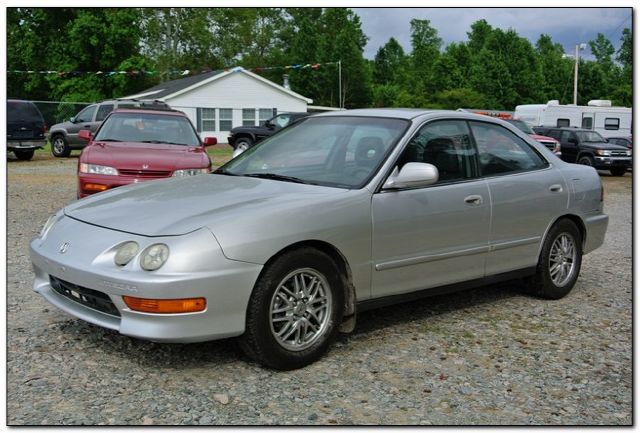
566 26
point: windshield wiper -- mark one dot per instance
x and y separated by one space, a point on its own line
225 172
161 142
110 139
275 176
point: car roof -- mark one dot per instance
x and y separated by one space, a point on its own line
409 114
147 110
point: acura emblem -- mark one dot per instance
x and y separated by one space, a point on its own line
145 166
63 248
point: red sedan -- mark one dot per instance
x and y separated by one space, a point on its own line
138 145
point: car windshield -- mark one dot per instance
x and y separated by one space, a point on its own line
590 137
339 151
148 128
522 126
21 111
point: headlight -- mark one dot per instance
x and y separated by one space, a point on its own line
125 253
47 226
154 257
97 169
191 171
603 152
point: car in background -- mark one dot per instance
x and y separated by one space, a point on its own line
242 138
587 147
25 129
622 141
137 145
64 136
337 214
551 143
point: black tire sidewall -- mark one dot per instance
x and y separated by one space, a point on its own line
66 150
263 345
24 155
618 171
545 285
586 158
244 140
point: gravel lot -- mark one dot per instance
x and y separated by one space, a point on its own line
487 356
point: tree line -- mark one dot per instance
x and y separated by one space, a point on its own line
493 68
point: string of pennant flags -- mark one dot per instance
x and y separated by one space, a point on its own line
174 72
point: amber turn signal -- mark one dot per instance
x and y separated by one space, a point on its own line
166 306
95 187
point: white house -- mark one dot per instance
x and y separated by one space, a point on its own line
217 101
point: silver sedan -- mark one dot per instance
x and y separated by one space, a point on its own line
340 213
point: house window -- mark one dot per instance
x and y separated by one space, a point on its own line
248 117
207 119
226 119
612 123
266 113
562 122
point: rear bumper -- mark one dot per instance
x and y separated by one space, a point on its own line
25 145
596 228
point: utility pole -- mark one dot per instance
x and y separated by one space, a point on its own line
575 75
340 83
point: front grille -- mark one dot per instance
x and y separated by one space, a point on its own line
87 297
618 153
145 173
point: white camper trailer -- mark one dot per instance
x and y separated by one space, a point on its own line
597 115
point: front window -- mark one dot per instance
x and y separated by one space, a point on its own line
148 128
589 137
522 126
338 151
86 115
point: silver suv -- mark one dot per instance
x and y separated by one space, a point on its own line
64 136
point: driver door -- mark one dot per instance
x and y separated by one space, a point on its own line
83 120
436 235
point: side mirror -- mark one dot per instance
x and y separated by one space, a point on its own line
413 174
72 119
210 141
84 134
268 124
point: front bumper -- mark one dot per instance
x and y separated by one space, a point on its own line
606 162
196 268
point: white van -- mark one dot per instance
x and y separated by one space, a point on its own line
597 115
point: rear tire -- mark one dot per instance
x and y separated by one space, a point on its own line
24 155
618 171
60 146
294 311
559 263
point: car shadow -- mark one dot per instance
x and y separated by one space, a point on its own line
221 352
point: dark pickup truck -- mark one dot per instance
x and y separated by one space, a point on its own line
243 137
587 147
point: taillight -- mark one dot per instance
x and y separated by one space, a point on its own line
44 128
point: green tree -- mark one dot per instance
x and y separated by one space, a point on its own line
425 51
557 71
390 64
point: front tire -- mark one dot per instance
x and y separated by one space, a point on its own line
24 155
60 147
242 144
586 160
294 311
619 171
559 263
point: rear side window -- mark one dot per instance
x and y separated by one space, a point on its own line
562 122
565 136
612 123
103 111
23 111
502 152
445 144
553 133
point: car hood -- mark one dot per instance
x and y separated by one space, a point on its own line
172 207
132 156
253 129
603 145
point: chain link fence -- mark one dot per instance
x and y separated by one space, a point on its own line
57 111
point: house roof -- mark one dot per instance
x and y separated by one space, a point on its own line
170 89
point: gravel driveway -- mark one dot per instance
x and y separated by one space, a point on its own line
487 356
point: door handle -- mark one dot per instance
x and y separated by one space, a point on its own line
555 188
474 200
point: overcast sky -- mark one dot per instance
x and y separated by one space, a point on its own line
567 26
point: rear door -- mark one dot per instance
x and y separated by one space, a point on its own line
527 194
569 148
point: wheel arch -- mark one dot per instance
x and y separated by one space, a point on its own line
574 219
339 259
248 135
